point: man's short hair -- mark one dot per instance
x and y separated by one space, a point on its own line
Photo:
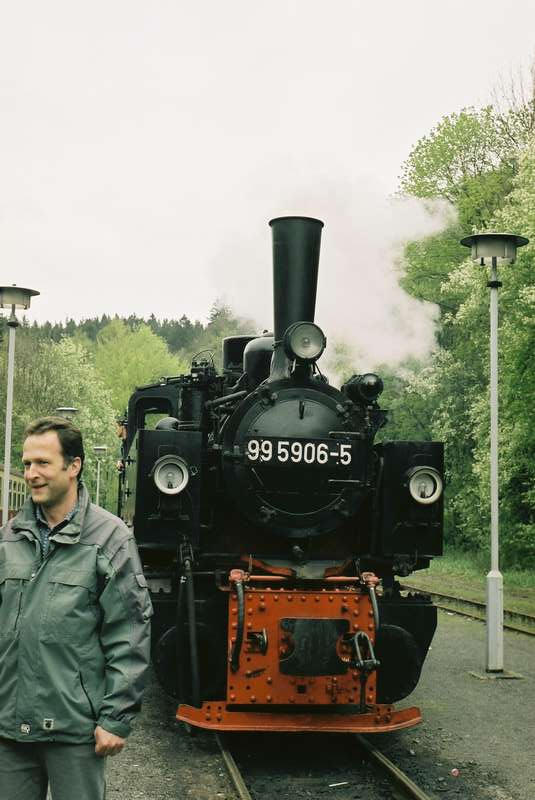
70 437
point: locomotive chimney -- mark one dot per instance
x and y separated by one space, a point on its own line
296 253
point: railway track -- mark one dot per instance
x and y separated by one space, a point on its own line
521 623
405 788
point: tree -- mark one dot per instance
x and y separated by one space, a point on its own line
483 162
127 358
52 374
457 388
466 159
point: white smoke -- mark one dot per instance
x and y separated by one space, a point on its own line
359 299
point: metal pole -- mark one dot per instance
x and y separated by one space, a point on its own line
13 324
98 482
494 577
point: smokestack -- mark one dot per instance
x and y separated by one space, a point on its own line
296 253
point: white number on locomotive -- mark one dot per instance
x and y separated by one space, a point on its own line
282 451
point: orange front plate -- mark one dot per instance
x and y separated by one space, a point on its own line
320 702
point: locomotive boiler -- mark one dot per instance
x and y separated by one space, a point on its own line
273 528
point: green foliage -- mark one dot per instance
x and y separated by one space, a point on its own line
406 398
427 265
51 374
127 358
458 404
484 163
465 159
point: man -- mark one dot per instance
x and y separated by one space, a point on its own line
74 628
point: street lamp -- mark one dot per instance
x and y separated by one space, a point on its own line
489 249
67 412
11 297
99 450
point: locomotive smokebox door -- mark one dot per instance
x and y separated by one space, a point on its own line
411 501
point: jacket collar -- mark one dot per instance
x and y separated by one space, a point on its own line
70 534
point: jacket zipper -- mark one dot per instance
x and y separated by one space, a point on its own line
36 572
16 625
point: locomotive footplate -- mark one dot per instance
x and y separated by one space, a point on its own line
220 717
300 660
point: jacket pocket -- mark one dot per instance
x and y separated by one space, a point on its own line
70 606
13 579
87 696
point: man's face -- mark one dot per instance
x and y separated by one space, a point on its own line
49 477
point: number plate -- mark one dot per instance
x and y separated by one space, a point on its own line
301 452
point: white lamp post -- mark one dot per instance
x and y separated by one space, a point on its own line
489 249
11 297
99 450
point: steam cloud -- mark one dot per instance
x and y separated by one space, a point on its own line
359 300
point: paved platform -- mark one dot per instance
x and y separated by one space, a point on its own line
483 728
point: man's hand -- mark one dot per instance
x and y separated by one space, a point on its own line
107 744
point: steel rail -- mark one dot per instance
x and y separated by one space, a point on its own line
395 773
233 770
461 606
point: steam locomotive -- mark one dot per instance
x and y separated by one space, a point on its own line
272 528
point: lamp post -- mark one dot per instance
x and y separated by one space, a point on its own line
99 450
489 249
11 297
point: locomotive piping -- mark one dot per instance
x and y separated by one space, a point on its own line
179 638
194 655
235 655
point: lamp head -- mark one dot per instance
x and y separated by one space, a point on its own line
16 296
66 411
501 246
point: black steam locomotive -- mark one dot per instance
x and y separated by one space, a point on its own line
272 528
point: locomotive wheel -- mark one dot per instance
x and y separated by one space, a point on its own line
212 663
400 663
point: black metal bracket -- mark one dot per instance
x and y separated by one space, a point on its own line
185 552
258 641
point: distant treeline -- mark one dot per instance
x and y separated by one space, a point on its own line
179 334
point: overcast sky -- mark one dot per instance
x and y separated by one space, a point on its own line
145 146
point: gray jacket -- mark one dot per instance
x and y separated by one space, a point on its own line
74 629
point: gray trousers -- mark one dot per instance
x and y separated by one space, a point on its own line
72 770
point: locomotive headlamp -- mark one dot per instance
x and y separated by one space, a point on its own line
365 387
370 386
170 474
425 485
304 341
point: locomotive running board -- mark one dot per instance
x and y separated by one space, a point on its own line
216 716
